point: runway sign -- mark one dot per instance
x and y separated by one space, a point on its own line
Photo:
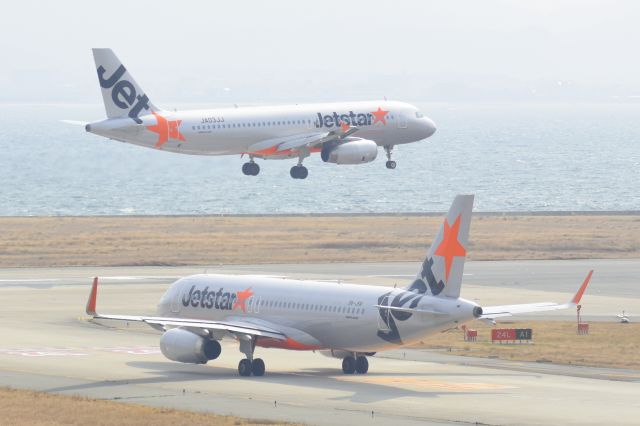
511 334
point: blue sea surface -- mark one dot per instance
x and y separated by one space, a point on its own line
514 157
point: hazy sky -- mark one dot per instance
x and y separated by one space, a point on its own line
190 51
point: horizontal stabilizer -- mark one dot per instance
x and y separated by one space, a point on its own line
491 312
75 122
410 310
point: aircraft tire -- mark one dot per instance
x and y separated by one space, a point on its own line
299 172
362 365
244 367
257 367
250 169
391 164
348 365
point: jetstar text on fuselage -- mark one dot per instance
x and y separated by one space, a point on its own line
210 299
351 119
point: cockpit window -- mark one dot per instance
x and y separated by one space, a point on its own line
419 114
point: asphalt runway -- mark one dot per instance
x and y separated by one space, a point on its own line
47 344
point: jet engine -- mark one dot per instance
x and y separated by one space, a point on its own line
182 345
355 151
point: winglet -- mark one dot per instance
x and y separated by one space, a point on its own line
583 287
91 303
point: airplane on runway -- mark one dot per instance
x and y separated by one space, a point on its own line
624 318
343 133
346 321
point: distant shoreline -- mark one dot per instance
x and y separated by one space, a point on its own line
363 214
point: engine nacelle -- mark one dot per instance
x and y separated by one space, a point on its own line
351 152
181 345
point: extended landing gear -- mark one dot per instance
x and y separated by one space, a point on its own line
250 168
352 365
299 172
247 367
250 365
390 163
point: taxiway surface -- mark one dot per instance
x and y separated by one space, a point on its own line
47 344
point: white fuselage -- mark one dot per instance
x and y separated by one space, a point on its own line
314 315
235 130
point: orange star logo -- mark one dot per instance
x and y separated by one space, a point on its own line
344 127
379 116
166 130
450 246
241 299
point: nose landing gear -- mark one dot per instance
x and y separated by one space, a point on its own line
390 163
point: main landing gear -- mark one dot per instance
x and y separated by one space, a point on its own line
299 172
390 163
250 365
247 367
250 168
355 364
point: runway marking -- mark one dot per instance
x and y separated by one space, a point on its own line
135 277
138 350
69 351
43 352
425 384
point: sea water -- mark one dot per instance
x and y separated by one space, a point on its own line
514 157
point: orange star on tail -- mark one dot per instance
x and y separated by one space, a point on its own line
450 246
166 130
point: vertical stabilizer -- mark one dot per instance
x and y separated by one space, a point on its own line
441 272
122 96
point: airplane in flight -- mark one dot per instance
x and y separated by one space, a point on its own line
343 133
346 321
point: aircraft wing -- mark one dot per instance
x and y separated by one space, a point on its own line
160 323
491 312
283 145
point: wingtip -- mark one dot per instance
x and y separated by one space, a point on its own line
581 290
91 303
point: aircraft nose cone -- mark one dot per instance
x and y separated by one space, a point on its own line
429 127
